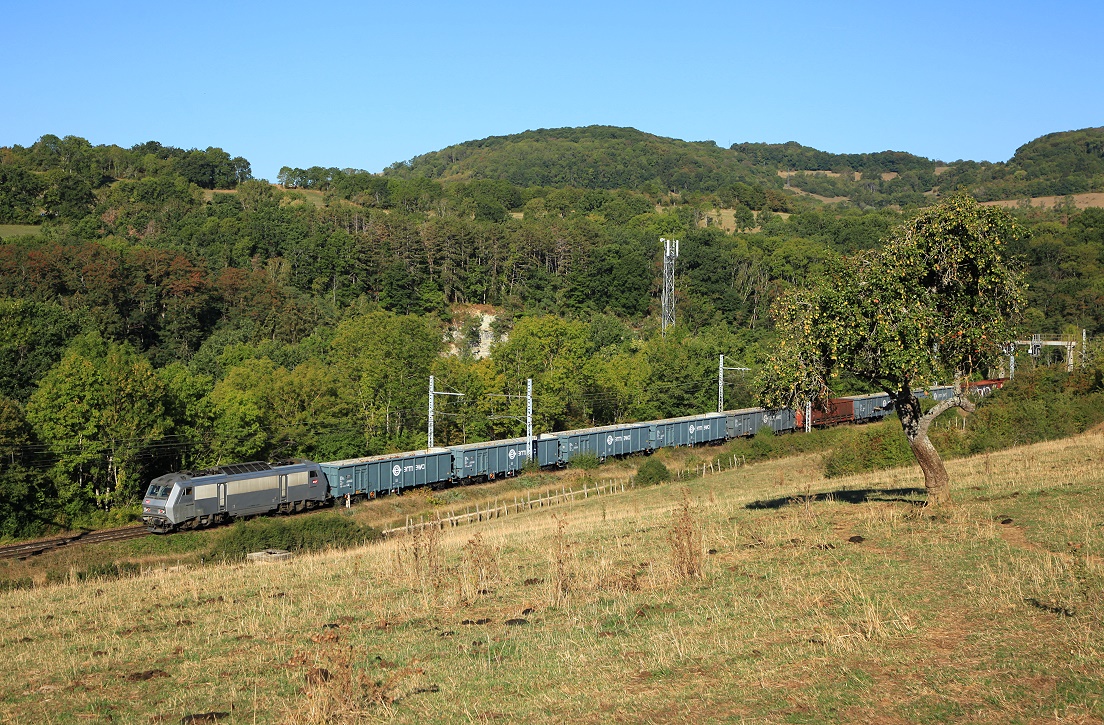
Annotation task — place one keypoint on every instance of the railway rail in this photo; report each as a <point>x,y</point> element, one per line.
<point>34,548</point>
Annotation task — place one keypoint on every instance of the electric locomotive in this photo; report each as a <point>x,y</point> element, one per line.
<point>187,500</point>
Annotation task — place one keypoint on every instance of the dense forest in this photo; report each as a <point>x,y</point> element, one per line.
<point>165,310</point>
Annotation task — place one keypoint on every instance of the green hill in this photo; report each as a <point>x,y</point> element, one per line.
<point>1068,153</point>
<point>1069,162</point>
<point>608,157</point>
<point>594,157</point>
<point>792,156</point>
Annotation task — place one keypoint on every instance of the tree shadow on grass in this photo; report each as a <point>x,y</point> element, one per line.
<point>913,496</point>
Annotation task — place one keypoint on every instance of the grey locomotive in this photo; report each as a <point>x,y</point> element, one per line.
<point>188,500</point>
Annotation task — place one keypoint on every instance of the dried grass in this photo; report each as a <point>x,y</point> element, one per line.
<point>632,606</point>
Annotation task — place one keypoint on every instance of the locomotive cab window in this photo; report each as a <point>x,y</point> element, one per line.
<point>188,491</point>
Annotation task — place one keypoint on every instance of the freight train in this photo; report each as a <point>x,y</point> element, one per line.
<point>187,500</point>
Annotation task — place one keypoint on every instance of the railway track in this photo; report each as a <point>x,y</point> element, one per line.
<point>34,548</point>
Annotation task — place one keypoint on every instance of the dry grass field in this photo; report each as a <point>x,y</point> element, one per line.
<point>1081,201</point>
<point>307,196</point>
<point>763,594</point>
<point>886,176</point>
<point>726,218</point>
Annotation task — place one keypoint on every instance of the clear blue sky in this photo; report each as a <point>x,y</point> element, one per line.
<point>363,84</point>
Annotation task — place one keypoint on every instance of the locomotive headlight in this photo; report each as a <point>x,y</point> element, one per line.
<point>145,509</point>
<point>160,511</point>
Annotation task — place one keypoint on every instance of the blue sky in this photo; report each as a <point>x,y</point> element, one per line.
<point>366,84</point>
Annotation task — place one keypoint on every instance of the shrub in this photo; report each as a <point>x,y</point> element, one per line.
<point>300,533</point>
<point>1039,405</point>
<point>651,472</point>
<point>762,445</point>
<point>586,461</point>
<point>881,445</point>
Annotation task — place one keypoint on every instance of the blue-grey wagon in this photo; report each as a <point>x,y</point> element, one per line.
<point>489,459</point>
<point>548,450</point>
<point>937,392</point>
<point>605,441</point>
<point>688,430</point>
<point>779,421</point>
<point>872,407</point>
<point>748,421</point>
<point>373,475</point>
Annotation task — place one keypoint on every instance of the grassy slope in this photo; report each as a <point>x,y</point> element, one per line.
<point>952,616</point>
<point>15,230</point>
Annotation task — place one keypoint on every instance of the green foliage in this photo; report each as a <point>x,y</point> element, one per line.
<point>384,362</point>
<point>267,322</point>
<point>212,169</point>
<point>102,407</point>
<point>23,498</point>
<point>586,461</point>
<point>761,445</point>
<point>35,335</point>
<point>297,533</point>
<point>881,445</point>
<point>19,195</point>
<point>794,156</point>
<point>595,157</point>
<point>938,300</point>
<point>1056,164</point>
<point>1039,405</point>
<point>651,472</point>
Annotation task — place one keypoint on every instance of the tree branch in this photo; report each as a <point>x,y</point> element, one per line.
<point>958,401</point>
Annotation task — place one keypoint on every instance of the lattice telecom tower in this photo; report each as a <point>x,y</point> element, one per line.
<point>670,253</point>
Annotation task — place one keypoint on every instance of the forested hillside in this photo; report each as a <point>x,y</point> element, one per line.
<point>595,157</point>
<point>169,311</point>
<point>604,157</point>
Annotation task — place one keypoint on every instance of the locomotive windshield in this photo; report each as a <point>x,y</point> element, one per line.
<point>156,491</point>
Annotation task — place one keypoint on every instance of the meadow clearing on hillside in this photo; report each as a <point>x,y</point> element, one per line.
<point>762,594</point>
<point>15,230</point>
<point>1080,201</point>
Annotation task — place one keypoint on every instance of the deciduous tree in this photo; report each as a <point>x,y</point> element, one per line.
<point>937,302</point>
